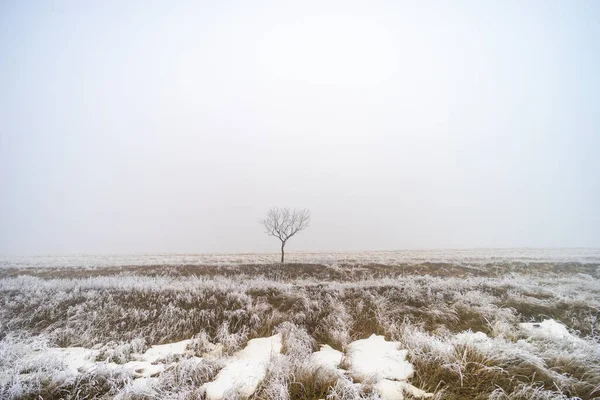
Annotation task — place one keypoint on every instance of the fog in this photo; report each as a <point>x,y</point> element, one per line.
<point>173,126</point>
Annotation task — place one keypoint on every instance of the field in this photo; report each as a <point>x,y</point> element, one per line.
<point>498,324</point>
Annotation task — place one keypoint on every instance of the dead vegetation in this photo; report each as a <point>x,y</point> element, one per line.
<point>426,306</point>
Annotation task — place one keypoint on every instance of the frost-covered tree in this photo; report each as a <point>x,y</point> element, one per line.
<point>283,223</point>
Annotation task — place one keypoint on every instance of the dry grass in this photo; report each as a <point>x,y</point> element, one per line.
<point>122,310</point>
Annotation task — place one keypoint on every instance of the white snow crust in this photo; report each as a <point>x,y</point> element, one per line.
<point>548,329</point>
<point>327,357</point>
<point>375,359</point>
<point>242,375</point>
<point>160,351</point>
<point>478,339</point>
<point>395,390</point>
<point>76,359</point>
<point>327,360</point>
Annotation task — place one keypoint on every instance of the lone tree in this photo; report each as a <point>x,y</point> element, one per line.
<point>283,223</point>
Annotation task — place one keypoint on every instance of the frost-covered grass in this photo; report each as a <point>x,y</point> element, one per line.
<point>465,256</point>
<point>459,320</point>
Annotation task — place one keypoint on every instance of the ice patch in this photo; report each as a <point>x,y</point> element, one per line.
<point>248,367</point>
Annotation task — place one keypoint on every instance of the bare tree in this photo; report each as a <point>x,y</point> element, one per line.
<point>283,223</point>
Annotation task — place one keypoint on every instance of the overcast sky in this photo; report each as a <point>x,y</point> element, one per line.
<point>171,126</point>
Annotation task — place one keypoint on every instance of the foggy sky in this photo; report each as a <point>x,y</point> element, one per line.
<point>172,126</point>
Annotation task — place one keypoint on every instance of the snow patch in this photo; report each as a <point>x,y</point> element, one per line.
<point>548,329</point>
<point>152,362</point>
<point>327,360</point>
<point>479,340</point>
<point>375,359</point>
<point>141,369</point>
<point>395,390</point>
<point>142,387</point>
<point>213,350</point>
<point>76,359</point>
<point>158,352</point>
<point>80,360</point>
<point>248,367</point>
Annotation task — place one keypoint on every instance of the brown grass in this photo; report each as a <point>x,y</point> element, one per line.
<point>334,305</point>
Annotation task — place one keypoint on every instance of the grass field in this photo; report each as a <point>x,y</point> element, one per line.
<point>433,304</point>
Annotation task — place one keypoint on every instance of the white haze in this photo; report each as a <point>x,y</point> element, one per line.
<point>173,126</point>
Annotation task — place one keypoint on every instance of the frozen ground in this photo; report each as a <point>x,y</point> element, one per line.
<point>499,328</point>
<point>463,257</point>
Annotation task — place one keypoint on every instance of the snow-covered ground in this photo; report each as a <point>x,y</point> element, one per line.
<point>245,370</point>
<point>325,331</point>
<point>464,257</point>
<point>372,360</point>
<point>375,361</point>
<point>372,363</point>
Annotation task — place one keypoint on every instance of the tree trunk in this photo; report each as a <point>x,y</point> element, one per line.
<point>282,253</point>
